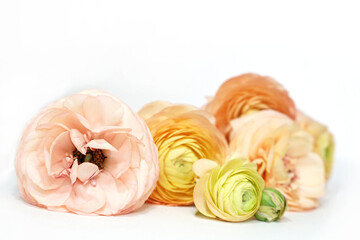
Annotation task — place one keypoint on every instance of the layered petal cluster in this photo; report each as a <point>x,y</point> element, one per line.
<point>88,153</point>
<point>183,134</point>
<point>231,192</point>
<point>284,156</point>
<point>323,140</point>
<point>246,94</point>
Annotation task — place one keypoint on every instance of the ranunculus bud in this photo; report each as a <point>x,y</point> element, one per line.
<point>231,192</point>
<point>272,206</point>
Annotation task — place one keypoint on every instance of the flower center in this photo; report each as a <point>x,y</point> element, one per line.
<point>96,157</point>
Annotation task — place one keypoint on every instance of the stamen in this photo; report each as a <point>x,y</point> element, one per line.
<point>92,156</point>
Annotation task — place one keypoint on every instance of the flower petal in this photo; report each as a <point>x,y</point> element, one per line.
<point>152,108</point>
<point>311,176</point>
<point>73,171</point>
<point>199,196</point>
<point>119,161</point>
<point>202,166</point>
<point>101,144</point>
<point>85,198</point>
<point>87,170</point>
<point>78,140</point>
<point>61,146</point>
<point>300,144</point>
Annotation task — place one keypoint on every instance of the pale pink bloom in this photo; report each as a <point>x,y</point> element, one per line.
<point>88,153</point>
<point>284,155</point>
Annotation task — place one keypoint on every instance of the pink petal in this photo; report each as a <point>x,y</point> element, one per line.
<point>118,162</point>
<point>112,111</point>
<point>73,172</point>
<point>112,129</point>
<point>41,187</point>
<point>102,111</point>
<point>49,126</point>
<point>37,172</point>
<point>78,140</point>
<point>115,197</point>
<point>311,176</point>
<point>87,170</point>
<point>92,111</point>
<point>101,144</point>
<point>127,186</point>
<point>51,197</point>
<point>135,152</point>
<point>74,103</point>
<point>66,119</point>
<point>61,146</point>
<point>85,198</point>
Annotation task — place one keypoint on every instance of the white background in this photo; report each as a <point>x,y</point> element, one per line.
<point>180,51</point>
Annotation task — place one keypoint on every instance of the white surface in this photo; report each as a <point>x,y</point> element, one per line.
<point>147,50</point>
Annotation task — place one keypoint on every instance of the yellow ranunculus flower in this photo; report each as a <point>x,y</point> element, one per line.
<point>231,192</point>
<point>284,155</point>
<point>323,140</point>
<point>183,134</point>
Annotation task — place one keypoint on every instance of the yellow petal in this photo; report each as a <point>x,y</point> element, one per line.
<point>152,108</point>
<point>199,196</point>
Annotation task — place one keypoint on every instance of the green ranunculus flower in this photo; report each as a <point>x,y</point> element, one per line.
<point>231,192</point>
<point>272,206</point>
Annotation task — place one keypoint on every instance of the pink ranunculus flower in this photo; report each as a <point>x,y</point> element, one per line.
<point>88,153</point>
<point>284,155</point>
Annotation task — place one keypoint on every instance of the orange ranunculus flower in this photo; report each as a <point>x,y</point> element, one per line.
<point>323,140</point>
<point>246,94</point>
<point>284,154</point>
<point>183,134</point>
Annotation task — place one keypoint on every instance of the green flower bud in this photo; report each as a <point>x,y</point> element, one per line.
<point>272,206</point>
